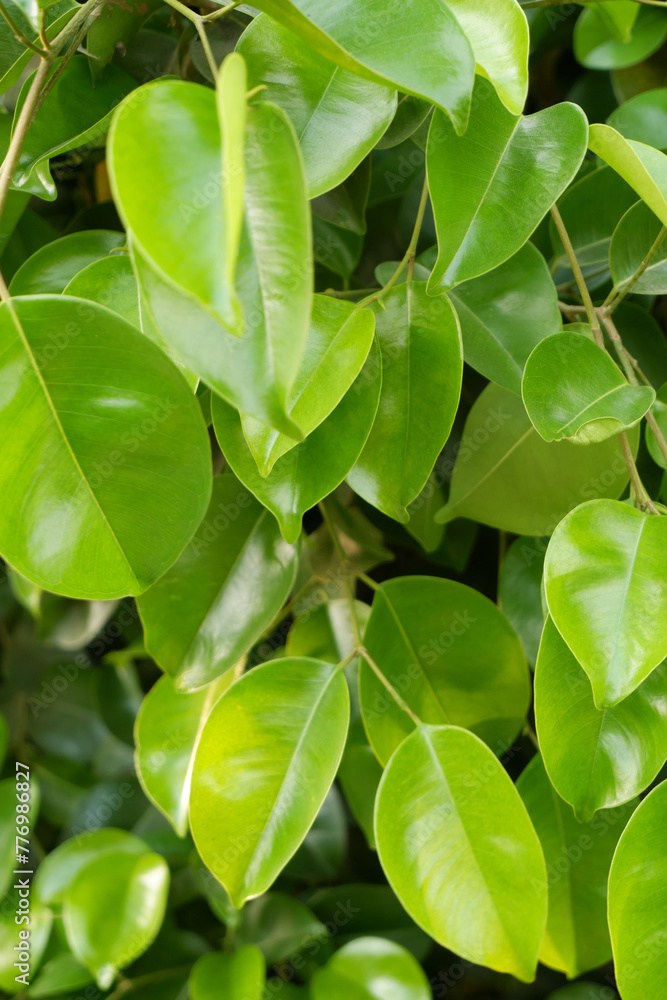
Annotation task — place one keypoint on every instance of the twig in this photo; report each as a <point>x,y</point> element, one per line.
<point>579,277</point>
<point>16,31</point>
<point>616,295</point>
<point>409,255</point>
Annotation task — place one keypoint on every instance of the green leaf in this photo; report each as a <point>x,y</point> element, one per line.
<point>643,167</point>
<point>422,367</point>
<point>338,116</point>
<point>596,759</point>
<point>638,901</point>
<point>113,415</point>
<point>167,732</point>
<point>345,205</point>
<point>4,738</point>
<point>660,414</point>
<point>316,466</point>
<point>14,56</point>
<point>492,186</point>
<point>53,266</point>
<point>644,338</point>
<point>477,885</point>
<point>578,857</point>
<point>113,910</point>
<point>505,475</point>
<point>520,591</point>
<point>633,238</point>
<point>348,33</point>
<point>643,118</point>
<point>603,569</point>
<point>371,968</point>
<point>336,248</point>
<point>572,389</point>
<point>618,17</point>
<point>11,819</point>
<point>74,113</point>
<point>265,762</point>
<point>338,343</point>
<point>210,607</point>
<point>62,866</point>
<point>12,936</point>
<point>326,632</point>
<point>597,48</point>
<point>239,975</point>
<point>116,27</point>
<point>110,282</point>
<point>280,926</point>
<point>453,658</point>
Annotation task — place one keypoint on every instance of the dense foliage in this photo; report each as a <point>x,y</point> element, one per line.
<point>333,408</point>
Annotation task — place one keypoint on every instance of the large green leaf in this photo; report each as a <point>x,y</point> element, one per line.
<point>633,238</point>
<point>338,343</point>
<point>578,857</point>
<point>642,167</point>
<point>596,47</point>
<point>106,472</point>
<point>638,901</point>
<point>59,870</point>
<point>572,389</point>
<point>265,762</point>
<point>596,759</point>
<point>167,733</point>
<point>316,466</point>
<point>505,475</point>
<point>422,368</point>
<point>604,568</point>
<point>452,657</point>
<point>113,910</point>
<point>74,113</point>
<point>643,118</point>
<point>520,591</point>
<point>371,968</point>
<point>53,266</point>
<point>492,186</point>
<point>338,116</point>
<point>239,975</point>
<point>111,282</point>
<point>460,852</point>
<point>368,38</point>
<point>212,605</point>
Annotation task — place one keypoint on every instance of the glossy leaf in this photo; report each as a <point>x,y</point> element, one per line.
<point>479,889</point>
<point>633,238</point>
<point>371,968</point>
<point>578,857</point>
<point>571,389</point>
<point>167,733</point>
<point>240,975</point>
<point>596,48</point>
<point>643,118</point>
<point>333,111</point>
<point>479,224</point>
<point>62,867</point>
<point>617,17</point>
<point>347,34</point>
<point>206,611</point>
<point>601,573</point>
<point>638,929</point>
<point>520,591</point>
<point>266,759</point>
<point>315,467</point>
<point>642,167</point>
<point>110,282</point>
<point>422,367</point>
<point>505,475</point>
<point>453,658</point>
<point>95,526</point>
<point>53,266</point>
<point>596,759</point>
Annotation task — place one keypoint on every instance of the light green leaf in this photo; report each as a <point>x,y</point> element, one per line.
<point>604,567</point>
<point>348,33</point>
<point>110,282</point>
<point>520,591</point>
<point>505,475</point>
<point>578,857</point>
<point>338,116</point>
<point>642,167</point>
<point>12,935</point>
<point>315,467</point>
<point>265,762</point>
<point>596,759</point>
<point>453,658</point>
<point>210,607</point>
<point>633,238</point>
<point>572,389</point>
<point>53,266</point>
<point>74,113</point>
<point>643,118</point>
<point>338,343</point>
<point>617,17</point>
<point>491,187</point>
<point>167,732</point>
<point>477,886</point>
<point>61,867</point>
<point>113,911</point>
<point>422,366</point>
<point>596,47</point>
<point>239,975</point>
<point>371,968</point>
<point>113,415</point>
